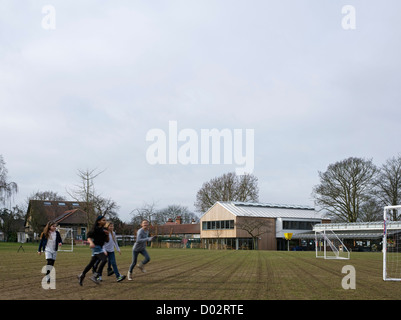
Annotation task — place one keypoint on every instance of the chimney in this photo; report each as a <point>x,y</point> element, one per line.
<point>178,220</point>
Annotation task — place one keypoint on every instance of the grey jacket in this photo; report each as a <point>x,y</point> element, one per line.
<point>142,237</point>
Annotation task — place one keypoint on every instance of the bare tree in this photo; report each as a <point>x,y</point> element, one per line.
<point>46,196</point>
<point>345,187</point>
<point>371,210</point>
<point>255,227</point>
<point>43,196</point>
<point>146,212</point>
<point>7,188</point>
<point>105,207</point>
<point>85,193</point>
<point>388,184</point>
<point>175,210</point>
<point>228,187</point>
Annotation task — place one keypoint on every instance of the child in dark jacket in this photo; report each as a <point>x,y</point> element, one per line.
<point>50,240</point>
<point>97,238</point>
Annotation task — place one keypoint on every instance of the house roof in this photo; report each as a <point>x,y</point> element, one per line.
<point>75,216</point>
<point>56,210</point>
<point>267,210</point>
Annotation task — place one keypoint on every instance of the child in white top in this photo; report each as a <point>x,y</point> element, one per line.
<point>50,240</point>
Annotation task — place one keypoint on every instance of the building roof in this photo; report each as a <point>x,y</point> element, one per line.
<point>75,216</point>
<point>352,230</point>
<point>54,210</point>
<point>267,210</point>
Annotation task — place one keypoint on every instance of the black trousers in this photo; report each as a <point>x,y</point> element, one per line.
<point>101,257</point>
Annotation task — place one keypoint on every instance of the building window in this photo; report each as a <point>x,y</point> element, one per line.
<point>218,225</point>
<point>299,225</point>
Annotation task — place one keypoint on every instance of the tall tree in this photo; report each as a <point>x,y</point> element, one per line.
<point>228,187</point>
<point>147,212</point>
<point>106,207</point>
<point>46,196</point>
<point>85,193</point>
<point>388,184</point>
<point>7,188</point>
<point>10,222</point>
<point>345,187</point>
<point>174,210</point>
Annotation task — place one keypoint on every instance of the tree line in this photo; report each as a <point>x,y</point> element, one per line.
<point>356,190</point>
<point>350,190</point>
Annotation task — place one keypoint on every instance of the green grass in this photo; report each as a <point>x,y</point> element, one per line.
<point>196,274</point>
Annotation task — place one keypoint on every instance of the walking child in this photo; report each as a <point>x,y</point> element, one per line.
<point>142,237</point>
<point>50,240</point>
<point>97,237</point>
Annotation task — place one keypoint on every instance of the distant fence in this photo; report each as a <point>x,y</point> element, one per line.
<point>178,244</point>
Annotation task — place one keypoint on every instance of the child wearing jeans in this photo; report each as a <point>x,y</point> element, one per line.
<point>109,248</point>
<point>142,237</point>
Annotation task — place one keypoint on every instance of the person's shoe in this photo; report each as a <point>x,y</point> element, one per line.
<point>129,276</point>
<point>120,278</point>
<point>81,279</point>
<point>110,272</point>
<point>95,278</point>
<point>141,267</point>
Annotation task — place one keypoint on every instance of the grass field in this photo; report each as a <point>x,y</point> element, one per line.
<point>196,274</point>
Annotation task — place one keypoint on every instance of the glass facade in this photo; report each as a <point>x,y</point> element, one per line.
<point>299,225</point>
<point>218,225</point>
<point>228,243</point>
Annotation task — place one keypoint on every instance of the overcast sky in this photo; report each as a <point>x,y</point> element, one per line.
<point>84,89</point>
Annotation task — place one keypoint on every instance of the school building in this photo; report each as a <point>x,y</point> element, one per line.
<point>244,225</point>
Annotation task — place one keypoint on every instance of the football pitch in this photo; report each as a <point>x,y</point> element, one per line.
<point>196,274</point>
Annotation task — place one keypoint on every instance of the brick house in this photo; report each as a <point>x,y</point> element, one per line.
<point>177,229</point>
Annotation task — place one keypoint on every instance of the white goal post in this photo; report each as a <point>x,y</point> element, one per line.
<point>329,246</point>
<point>392,243</point>
<point>67,236</point>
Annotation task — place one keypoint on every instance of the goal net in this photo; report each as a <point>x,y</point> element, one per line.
<point>330,246</point>
<point>392,243</point>
<point>68,239</point>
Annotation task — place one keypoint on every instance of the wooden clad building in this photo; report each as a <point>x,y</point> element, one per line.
<point>242,225</point>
